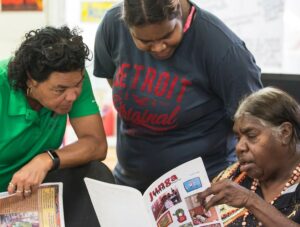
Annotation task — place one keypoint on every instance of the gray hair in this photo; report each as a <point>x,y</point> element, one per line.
<point>272,107</point>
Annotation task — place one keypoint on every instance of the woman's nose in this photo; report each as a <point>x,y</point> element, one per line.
<point>241,146</point>
<point>71,95</point>
<point>158,47</point>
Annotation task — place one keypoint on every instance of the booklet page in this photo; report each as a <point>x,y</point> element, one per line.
<point>172,200</point>
<point>117,205</point>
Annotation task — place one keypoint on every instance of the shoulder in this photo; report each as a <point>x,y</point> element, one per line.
<point>3,69</point>
<point>113,16</point>
<point>212,25</point>
<point>214,38</point>
<point>3,74</point>
<point>86,103</point>
<point>111,28</point>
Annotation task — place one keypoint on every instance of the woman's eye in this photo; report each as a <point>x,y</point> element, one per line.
<point>59,91</point>
<point>252,136</point>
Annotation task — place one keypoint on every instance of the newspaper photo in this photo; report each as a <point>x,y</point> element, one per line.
<point>44,208</point>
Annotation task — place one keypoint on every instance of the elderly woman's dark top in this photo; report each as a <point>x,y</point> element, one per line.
<point>288,203</point>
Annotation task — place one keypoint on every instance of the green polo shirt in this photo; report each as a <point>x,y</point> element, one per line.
<point>24,132</point>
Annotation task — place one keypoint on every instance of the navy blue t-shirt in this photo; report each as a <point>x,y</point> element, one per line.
<point>171,111</point>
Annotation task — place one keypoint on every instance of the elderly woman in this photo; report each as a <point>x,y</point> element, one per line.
<point>262,189</point>
<point>43,84</point>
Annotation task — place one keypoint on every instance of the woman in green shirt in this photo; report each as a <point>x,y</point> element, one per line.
<point>40,87</point>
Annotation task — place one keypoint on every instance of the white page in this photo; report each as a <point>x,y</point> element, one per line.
<point>117,206</point>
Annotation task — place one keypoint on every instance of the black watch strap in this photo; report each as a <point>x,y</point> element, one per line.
<point>55,159</point>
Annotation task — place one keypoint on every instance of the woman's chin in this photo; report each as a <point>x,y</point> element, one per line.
<point>163,55</point>
<point>62,110</point>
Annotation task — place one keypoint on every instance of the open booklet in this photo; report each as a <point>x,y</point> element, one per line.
<point>172,200</point>
<point>43,208</point>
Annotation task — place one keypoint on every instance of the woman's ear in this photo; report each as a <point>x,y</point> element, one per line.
<point>30,82</point>
<point>286,133</point>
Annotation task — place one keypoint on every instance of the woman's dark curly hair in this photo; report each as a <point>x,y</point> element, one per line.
<point>45,51</point>
<point>142,12</point>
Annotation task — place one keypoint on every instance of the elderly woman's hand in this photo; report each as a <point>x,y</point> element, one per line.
<point>30,176</point>
<point>226,192</point>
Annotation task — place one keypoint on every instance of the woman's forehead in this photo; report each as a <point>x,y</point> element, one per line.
<point>152,32</point>
<point>247,121</point>
<point>67,78</point>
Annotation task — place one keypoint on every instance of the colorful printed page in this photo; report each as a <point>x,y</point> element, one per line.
<point>42,208</point>
<point>173,199</point>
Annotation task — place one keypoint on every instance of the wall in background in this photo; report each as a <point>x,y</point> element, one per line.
<point>14,24</point>
<point>87,14</point>
<point>270,29</point>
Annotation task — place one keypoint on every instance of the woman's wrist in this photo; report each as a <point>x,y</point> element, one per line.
<point>54,158</point>
<point>252,201</point>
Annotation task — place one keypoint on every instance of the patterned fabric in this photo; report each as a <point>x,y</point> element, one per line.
<point>288,203</point>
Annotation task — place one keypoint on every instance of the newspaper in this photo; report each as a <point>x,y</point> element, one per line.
<point>43,208</point>
<point>171,201</point>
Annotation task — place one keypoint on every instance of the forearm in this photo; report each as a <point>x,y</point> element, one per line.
<point>80,152</point>
<point>84,150</point>
<point>267,214</point>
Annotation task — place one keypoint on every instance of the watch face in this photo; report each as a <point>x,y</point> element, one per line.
<point>55,159</point>
<point>192,184</point>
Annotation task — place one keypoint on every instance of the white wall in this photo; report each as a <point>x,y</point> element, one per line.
<point>13,25</point>
<point>291,45</point>
<point>270,29</point>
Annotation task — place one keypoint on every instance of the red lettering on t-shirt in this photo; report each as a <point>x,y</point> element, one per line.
<point>162,84</point>
<point>149,79</point>
<point>184,84</point>
<point>172,86</point>
<point>138,69</point>
<point>156,102</point>
<point>121,76</point>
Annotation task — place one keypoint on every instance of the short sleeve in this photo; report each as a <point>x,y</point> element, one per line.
<point>104,66</point>
<point>236,76</point>
<point>85,104</point>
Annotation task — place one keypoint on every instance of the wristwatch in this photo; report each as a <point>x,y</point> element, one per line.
<point>55,159</point>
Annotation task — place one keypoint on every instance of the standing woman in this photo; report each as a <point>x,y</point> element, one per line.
<point>177,73</point>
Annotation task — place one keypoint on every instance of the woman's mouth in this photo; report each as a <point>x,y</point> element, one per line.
<point>246,166</point>
<point>162,55</point>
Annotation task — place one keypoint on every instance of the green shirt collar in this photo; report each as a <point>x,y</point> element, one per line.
<point>18,105</point>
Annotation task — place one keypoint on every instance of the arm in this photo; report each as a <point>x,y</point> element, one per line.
<point>91,145</point>
<point>235,76</point>
<point>267,213</point>
<point>232,194</point>
<point>104,65</point>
